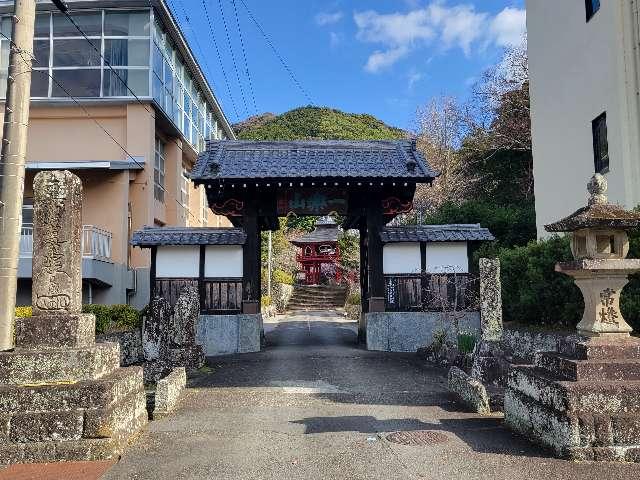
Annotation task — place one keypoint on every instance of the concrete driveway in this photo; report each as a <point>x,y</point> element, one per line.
<point>314,405</point>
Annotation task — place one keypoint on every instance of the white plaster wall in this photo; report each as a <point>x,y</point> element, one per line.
<point>178,262</point>
<point>447,257</point>
<point>223,261</point>
<point>579,70</point>
<point>401,258</point>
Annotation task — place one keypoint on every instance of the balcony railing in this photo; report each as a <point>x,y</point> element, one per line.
<point>96,242</point>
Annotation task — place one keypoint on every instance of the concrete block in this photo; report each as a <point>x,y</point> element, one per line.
<point>470,391</point>
<point>229,334</point>
<point>56,331</point>
<point>410,331</point>
<point>29,367</point>
<point>168,392</point>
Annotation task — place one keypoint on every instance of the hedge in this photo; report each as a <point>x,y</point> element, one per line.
<point>108,317</point>
<point>534,294</point>
<point>280,276</point>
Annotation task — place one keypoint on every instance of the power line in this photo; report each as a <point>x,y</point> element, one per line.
<point>233,56</point>
<point>215,44</point>
<point>275,51</point>
<point>197,42</point>
<point>244,55</point>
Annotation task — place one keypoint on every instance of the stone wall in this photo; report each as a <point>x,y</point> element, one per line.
<point>130,346</point>
<point>520,345</point>
<point>410,331</point>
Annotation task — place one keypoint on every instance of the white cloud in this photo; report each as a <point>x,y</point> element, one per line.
<point>457,26</point>
<point>379,60</point>
<point>413,78</point>
<point>335,39</point>
<point>324,18</point>
<point>509,26</point>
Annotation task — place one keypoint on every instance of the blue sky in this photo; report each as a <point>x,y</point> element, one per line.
<point>383,57</point>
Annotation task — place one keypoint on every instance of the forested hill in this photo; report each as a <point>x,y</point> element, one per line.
<point>311,123</point>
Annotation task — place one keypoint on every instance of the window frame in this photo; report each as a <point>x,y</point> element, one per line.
<point>592,7</point>
<point>601,160</point>
<point>159,167</point>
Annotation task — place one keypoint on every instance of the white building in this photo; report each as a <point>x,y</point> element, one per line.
<point>584,69</point>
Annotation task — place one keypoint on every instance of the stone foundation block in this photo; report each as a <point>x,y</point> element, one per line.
<point>168,392</point>
<point>30,367</point>
<point>56,332</point>
<point>470,391</point>
<point>71,451</point>
<point>589,370</point>
<point>117,419</point>
<point>46,426</point>
<point>94,393</point>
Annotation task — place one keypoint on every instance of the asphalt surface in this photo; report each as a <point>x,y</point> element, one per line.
<point>314,405</point>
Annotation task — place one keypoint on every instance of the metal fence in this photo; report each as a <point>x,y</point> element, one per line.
<point>96,242</point>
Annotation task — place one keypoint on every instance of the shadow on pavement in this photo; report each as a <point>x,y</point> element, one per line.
<point>482,435</point>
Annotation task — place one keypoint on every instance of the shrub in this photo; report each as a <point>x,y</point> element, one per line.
<point>266,301</point>
<point>23,312</point>
<point>280,276</point>
<point>534,294</point>
<point>354,299</point>
<point>466,343</point>
<point>114,317</point>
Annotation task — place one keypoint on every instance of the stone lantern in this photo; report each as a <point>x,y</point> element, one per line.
<point>581,400</point>
<point>600,245</point>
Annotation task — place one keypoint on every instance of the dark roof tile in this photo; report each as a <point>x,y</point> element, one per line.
<point>436,233</point>
<point>155,236</point>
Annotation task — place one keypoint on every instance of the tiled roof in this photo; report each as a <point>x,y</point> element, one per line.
<point>436,233</point>
<point>235,160</point>
<point>154,236</point>
<point>322,234</point>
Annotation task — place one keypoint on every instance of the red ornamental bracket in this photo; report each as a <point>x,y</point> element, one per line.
<point>394,206</point>
<point>230,208</point>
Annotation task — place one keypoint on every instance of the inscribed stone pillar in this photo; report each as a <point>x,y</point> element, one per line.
<point>57,243</point>
<point>490,299</point>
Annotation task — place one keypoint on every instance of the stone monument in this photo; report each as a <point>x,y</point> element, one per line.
<point>584,402</point>
<point>63,397</point>
<point>169,335</point>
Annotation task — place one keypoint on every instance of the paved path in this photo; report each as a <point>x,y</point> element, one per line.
<point>313,405</point>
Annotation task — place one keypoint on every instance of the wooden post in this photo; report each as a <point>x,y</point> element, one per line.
<point>201,291</point>
<point>152,273</point>
<point>375,223</point>
<point>251,287</point>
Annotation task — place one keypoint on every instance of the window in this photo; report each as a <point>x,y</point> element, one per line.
<point>600,144</point>
<point>158,170</point>
<point>76,64</point>
<point>592,8</point>
<point>204,207</point>
<point>27,212</point>
<point>184,193</point>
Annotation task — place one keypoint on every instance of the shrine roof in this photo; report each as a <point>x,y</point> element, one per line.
<point>167,236</point>
<point>436,233</point>
<point>269,160</point>
<point>324,233</point>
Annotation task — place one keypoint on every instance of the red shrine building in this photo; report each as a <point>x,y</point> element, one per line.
<point>319,258</point>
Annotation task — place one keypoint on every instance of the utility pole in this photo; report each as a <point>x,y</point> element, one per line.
<point>12,162</point>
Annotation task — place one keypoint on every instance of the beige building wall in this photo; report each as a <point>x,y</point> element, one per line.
<point>119,201</point>
<point>579,70</point>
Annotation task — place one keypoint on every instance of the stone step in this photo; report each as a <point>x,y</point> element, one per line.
<point>332,298</point>
<point>81,395</point>
<point>32,367</point>
<point>580,398</point>
<point>83,450</point>
<point>606,349</point>
<point>589,370</point>
<point>315,302</point>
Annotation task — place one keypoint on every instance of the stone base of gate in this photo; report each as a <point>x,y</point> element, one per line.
<point>410,331</point>
<point>583,402</point>
<point>64,397</point>
<point>229,334</point>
